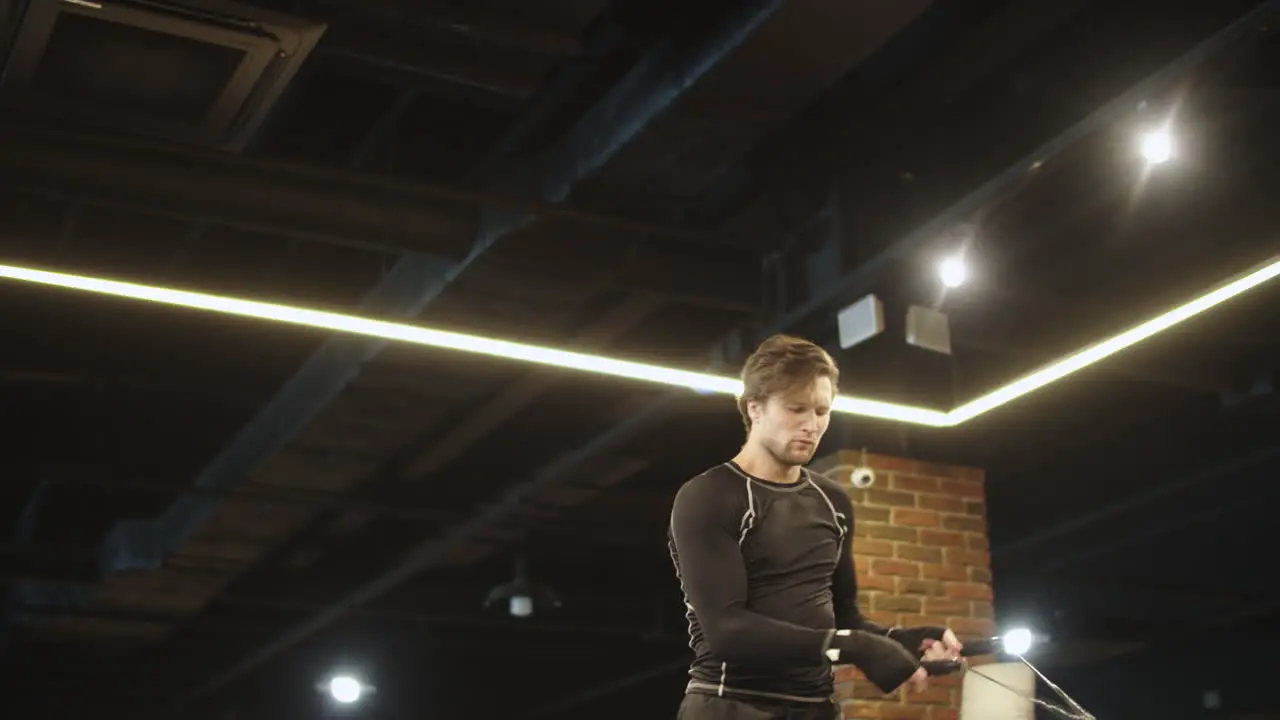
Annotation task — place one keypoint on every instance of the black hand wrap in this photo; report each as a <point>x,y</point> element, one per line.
<point>885,663</point>
<point>914,638</point>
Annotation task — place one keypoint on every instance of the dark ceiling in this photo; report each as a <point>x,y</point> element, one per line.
<point>207,514</point>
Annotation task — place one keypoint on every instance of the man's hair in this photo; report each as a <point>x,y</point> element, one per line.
<point>780,364</point>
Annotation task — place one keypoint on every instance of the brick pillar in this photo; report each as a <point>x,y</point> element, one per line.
<point>923,559</point>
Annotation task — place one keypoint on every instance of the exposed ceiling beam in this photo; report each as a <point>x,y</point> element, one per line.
<point>483,420</point>
<point>34,617</point>
<point>844,125</point>
<point>1174,373</point>
<point>392,52</point>
<point>660,272</point>
<point>86,480</point>
<point>351,207</point>
<point>1015,550</point>
<point>439,450</point>
<point>592,694</point>
<point>541,33</point>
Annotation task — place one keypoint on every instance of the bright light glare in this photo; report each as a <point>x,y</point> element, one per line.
<point>1157,146</point>
<point>450,340</point>
<point>1017,642</point>
<point>701,382</point>
<point>520,606</point>
<point>345,689</point>
<point>953,272</point>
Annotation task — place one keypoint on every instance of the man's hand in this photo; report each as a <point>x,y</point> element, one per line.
<point>886,663</point>
<point>946,649</point>
<point>952,644</point>
<point>939,651</point>
<point>924,639</point>
<point>937,660</point>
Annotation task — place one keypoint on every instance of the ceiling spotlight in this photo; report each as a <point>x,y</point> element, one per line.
<point>520,606</point>
<point>1156,146</point>
<point>953,272</point>
<point>521,594</point>
<point>344,689</point>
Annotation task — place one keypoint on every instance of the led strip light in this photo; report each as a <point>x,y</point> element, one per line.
<point>700,382</point>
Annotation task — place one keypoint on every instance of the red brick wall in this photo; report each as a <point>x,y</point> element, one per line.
<point>921,548</point>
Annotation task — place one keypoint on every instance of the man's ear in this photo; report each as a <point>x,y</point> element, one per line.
<point>755,410</point>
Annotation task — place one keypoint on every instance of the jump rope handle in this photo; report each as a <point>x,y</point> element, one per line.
<point>942,667</point>
<point>980,646</point>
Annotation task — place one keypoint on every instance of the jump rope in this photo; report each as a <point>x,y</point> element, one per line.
<point>1071,710</point>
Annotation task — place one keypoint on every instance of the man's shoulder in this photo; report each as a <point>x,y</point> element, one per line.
<point>718,485</point>
<point>715,477</point>
<point>831,488</point>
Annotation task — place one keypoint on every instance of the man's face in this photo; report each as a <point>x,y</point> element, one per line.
<point>790,425</point>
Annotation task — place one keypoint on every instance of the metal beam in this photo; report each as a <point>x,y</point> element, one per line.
<point>642,94</point>
<point>1171,374</point>
<point>606,689</point>
<point>35,614</point>
<point>872,110</point>
<point>23,532</point>
<point>348,206</point>
<point>262,495</point>
<point>437,451</point>
<point>655,270</point>
<point>483,420</point>
<point>1130,504</point>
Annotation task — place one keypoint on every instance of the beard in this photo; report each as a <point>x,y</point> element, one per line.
<point>789,455</point>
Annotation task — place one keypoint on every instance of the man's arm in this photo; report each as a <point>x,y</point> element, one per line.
<point>704,530</point>
<point>844,597</point>
<point>844,581</point>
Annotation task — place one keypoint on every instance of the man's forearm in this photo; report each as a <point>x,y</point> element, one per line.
<point>866,625</point>
<point>741,636</point>
<point>849,616</point>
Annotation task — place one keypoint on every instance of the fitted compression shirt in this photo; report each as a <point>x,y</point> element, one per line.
<point>768,576</point>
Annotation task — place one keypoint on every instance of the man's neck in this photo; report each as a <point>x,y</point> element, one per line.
<point>761,463</point>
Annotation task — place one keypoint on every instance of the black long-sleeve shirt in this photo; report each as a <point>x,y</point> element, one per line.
<point>768,576</point>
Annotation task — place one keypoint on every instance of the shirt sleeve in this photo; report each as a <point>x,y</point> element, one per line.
<point>844,581</point>
<point>704,530</point>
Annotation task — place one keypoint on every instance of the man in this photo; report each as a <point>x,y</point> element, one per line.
<point>761,547</point>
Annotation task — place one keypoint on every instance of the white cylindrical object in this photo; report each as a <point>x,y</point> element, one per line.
<point>982,699</point>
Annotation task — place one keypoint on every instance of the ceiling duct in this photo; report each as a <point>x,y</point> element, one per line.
<point>204,72</point>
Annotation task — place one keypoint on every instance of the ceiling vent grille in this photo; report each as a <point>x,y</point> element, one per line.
<point>204,72</point>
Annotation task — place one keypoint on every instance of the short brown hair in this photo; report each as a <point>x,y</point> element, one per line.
<point>781,363</point>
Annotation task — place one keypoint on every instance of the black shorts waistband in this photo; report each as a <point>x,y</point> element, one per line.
<point>704,688</point>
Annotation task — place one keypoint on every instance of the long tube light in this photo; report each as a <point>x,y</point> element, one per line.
<point>1104,349</point>
<point>700,382</point>
<point>400,332</point>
